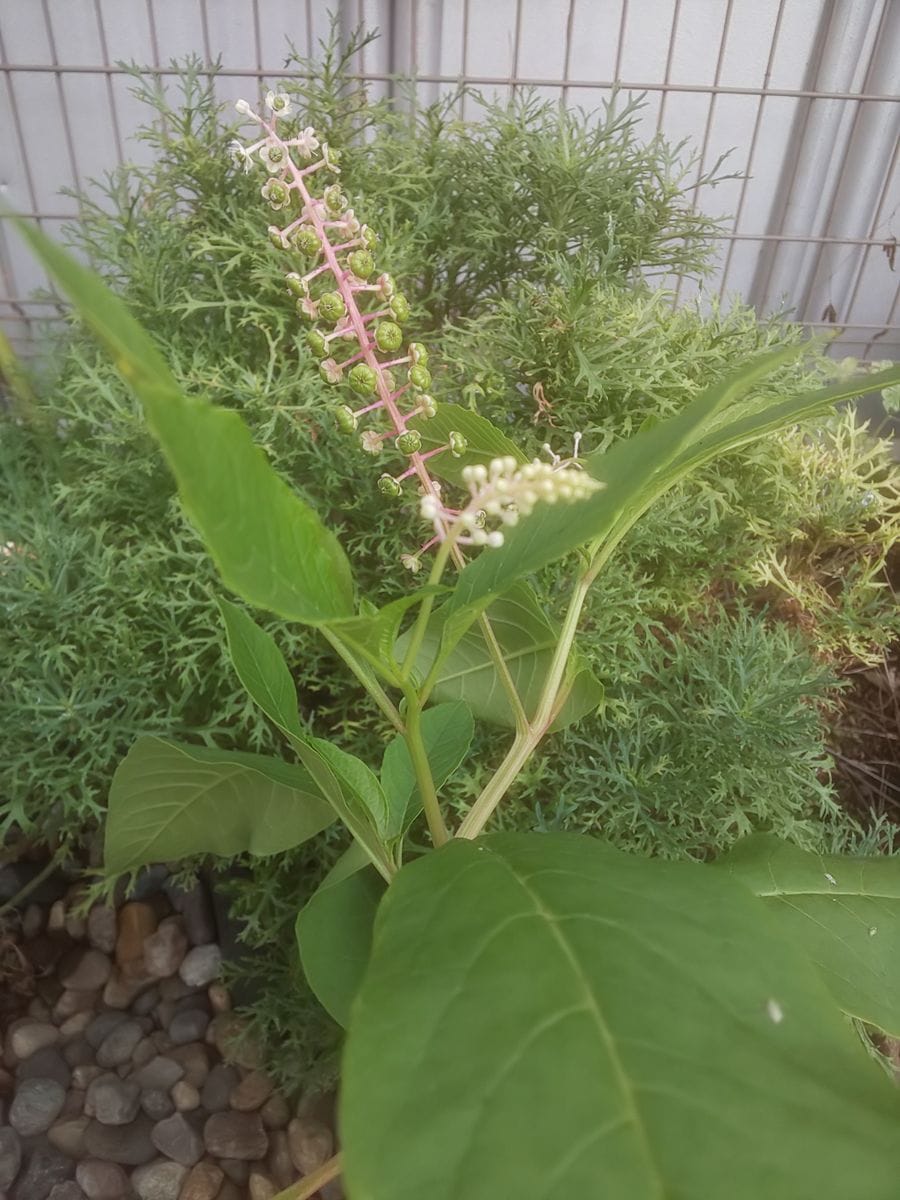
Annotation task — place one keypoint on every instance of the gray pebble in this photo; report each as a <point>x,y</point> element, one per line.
<point>102,928</point>
<point>118,1046</point>
<point>36,1105</point>
<point>201,965</point>
<point>196,912</point>
<point>236,1135</point>
<point>27,1038</point>
<point>157,1104</point>
<point>145,1003</point>
<point>159,1072</point>
<point>66,1191</point>
<point>101,1180</point>
<point>85,970</point>
<point>165,949</point>
<point>44,1168</point>
<point>178,1139</point>
<point>46,1064</point>
<point>10,1157</point>
<point>113,1101</point>
<point>159,1180</point>
<point>78,1052</point>
<point>103,1025</point>
<point>217,1089</point>
<point>68,1136</point>
<point>188,1026</point>
<point>129,1145</point>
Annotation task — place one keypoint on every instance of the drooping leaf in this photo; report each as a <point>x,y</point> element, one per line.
<point>843,910</point>
<point>447,731</point>
<point>485,441</point>
<point>527,641</point>
<point>260,667</point>
<point>637,471</point>
<point>546,1016</point>
<point>169,800</point>
<point>334,936</point>
<point>372,636</point>
<point>270,547</point>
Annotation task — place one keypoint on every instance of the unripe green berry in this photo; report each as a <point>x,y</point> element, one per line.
<point>386,285</point>
<point>388,486</point>
<point>345,419</point>
<point>369,237</point>
<point>276,237</point>
<point>295,284</point>
<point>388,336</point>
<point>420,378</point>
<point>418,354</point>
<point>317,343</point>
<point>335,200</point>
<point>399,306</point>
<point>331,306</point>
<point>307,241</point>
<point>363,380</point>
<point>458,444</point>
<point>409,442</point>
<point>361,263</point>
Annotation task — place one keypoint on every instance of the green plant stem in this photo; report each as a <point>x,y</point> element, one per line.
<point>372,686</point>
<point>307,1187</point>
<point>417,753</point>
<point>526,741</point>
<point>424,613</point>
<point>44,873</point>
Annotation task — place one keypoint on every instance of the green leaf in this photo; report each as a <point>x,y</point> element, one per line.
<point>485,441</point>
<point>546,1016</point>
<point>635,472</point>
<point>447,731</point>
<point>169,800</point>
<point>843,910</point>
<point>527,640</point>
<point>334,936</point>
<point>269,546</point>
<point>261,668</point>
<point>371,636</point>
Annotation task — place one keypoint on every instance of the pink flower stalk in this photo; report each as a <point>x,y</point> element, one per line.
<point>336,293</point>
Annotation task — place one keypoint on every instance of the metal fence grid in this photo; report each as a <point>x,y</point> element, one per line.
<point>808,90</point>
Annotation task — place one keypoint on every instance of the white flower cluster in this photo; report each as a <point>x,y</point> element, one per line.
<point>506,491</point>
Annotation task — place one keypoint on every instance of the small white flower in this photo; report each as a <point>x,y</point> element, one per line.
<point>332,166</point>
<point>241,156</point>
<point>276,193</point>
<point>306,142</point>
<point>411,562</point>
<point>243,108</point>
<point>279,103</point>
<point>371,442</point>
<point>273,156</point>
<point>308,307</point>
<point>330,370</point>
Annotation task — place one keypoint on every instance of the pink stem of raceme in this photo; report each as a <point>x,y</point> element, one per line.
<point>424,457</point>
<point>359,412</point>
<point>348,362</point>
<point>347,290</point>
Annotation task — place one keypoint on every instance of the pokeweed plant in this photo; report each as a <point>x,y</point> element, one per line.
<point>526,1013</point>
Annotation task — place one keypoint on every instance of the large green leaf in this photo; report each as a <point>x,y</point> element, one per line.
<point>546,1016</point>
<point>334,936</point>
<point>485,441</point>
<point>843,910</point>
<point>170,801</point>
<point>269,546</point>
<point>447,731</point>
<point>527,640</point>
<point>260,667</point>
<point>637,471</point>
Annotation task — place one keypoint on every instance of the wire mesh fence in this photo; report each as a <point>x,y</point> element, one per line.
<point>801,96</point>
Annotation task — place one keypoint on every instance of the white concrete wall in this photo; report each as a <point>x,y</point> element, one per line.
<point>813,167</point>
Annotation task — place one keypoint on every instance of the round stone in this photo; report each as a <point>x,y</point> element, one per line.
<point>275,1113</point>
<point>157,1104</point>
<point>10,1157</point>
<point>185,1096</point>
<point>85,970</point>
<point>201,965</point>
<point>160,1180</point>
<point>102,928</point>
<point>129,1145</point>
<point>261,1187</point>
<point>217,1089</point>
<point>68,1136</point>
<point>101,1180</point>
<point>44,1168</point>
<point>236,1135</point>
<point>69,1190</point>
<point>36,1105</point>
<point>118,1046</point>
<point>194,1057</point>
<point>188,1026</point>
<point>252,1092</point>
<point>176,1138</point>
<point>27,1039</point>
<point>136,922</point>
<point>165,949</point>
<point>159,1072</point>
<point>310,1143</point>
<point>46,1064</point>
<point>113,1101</point>
<point>102,1026</point>
<point>203,1182</point>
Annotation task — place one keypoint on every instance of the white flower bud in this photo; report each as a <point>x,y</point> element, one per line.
<point>243,108</point>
